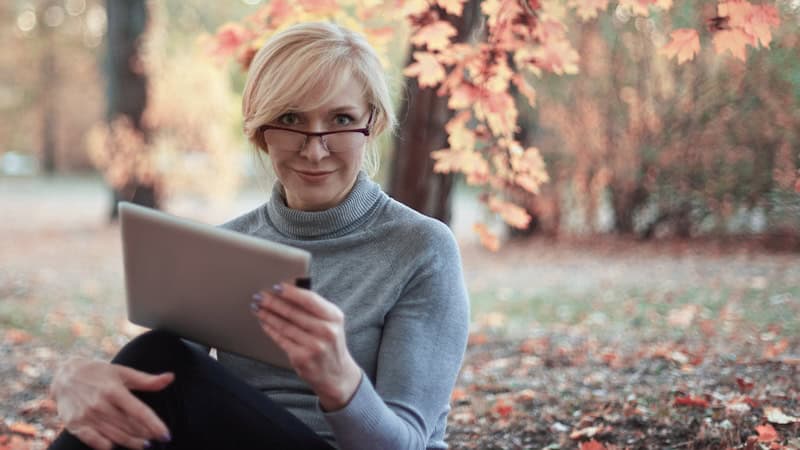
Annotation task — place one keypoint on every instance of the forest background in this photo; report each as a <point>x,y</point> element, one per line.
<point>637,228</point>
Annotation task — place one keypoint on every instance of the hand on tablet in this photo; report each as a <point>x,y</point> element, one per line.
<point>96,405</point>
<point>310,330</point>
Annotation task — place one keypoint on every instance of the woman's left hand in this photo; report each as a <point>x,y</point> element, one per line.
<point>310,330</point>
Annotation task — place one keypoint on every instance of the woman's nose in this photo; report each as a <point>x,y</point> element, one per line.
<point>314,148</point>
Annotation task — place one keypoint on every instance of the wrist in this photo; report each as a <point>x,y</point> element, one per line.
<point>342,390</point>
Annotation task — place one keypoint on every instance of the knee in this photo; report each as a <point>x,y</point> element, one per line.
<point>154,351</point>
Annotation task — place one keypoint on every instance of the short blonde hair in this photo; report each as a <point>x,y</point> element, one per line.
<point>305,56</point>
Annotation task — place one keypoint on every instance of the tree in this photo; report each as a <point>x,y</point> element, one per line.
<point>127,92</point>
<point>519,42</point>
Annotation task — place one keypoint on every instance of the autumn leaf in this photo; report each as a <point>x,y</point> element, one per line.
<point>454,7</point>
<point>774,350</point>
<point>775,415</point>
<point>588,9</point>
<point>435,36</point>
<point>322,7</point>
<point>760,22</point>
<point>685,44</point>
<point>512,214</point>
<point>587,432</point>
<point>592,445</point>
<point>15,336</point>
<point>229,38</point>
<point>525,89</point>
<point>490,241</point>
<point>22,428</point>
<point>691,401</point>
<point>734,40</point>
<point>502,408</point>
<point>556,56</point>
<point>766,433</point>
<point>499,111</point>
<point>638,7</point>
<point>427,69</point>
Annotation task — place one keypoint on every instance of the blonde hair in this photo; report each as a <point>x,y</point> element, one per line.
<point>302,57</point>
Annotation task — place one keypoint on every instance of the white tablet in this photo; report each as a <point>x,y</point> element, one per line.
<point>197,281</point>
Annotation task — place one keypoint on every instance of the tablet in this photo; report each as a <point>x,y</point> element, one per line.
<point>197,281</point>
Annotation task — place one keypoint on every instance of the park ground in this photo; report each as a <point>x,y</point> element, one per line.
<point>575,343</point>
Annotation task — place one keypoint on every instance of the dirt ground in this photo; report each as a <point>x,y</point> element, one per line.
<point>582,343</point>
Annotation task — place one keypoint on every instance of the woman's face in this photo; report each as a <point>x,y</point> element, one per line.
<point>314,178</point>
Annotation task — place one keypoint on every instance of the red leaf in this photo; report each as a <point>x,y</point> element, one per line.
<point>22,428</point>
<point>745,385</point>
<point>592,445</point>
<point>503,408</point>
<point>692,401</point>
<point>766,433</point>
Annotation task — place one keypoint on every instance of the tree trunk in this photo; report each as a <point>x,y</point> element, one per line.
<point>127,86</point>
<point>423,116</point>
<point>49,83</point>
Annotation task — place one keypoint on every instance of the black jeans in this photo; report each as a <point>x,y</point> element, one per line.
<point>206,407</point>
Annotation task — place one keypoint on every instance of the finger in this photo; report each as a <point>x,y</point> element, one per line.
<point>274,305</point>
<point>111,414</point>
<point>92,438</point>
<point>294,334</point>
<point>134,408</point>
<point>307,300</point>
<point>120,437</point>
<point>287,344</point>
<point>142,381</point>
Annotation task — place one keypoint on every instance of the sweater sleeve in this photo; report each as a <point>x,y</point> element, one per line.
<point>421,350</point>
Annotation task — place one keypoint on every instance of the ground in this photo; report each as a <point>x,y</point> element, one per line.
<point>582,343</point>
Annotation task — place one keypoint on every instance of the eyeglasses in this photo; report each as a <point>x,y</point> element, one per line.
<point>290,140</point>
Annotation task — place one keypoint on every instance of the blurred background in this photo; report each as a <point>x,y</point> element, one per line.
<point>672,211</point>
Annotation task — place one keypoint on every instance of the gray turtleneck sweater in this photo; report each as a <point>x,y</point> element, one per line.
<point>397,277</point>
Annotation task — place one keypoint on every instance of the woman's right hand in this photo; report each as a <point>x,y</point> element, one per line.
<point>96,404</point>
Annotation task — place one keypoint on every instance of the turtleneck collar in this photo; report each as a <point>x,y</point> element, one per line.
<point>327,223</point>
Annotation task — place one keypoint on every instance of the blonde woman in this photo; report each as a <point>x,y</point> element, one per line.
<point>375,346</point>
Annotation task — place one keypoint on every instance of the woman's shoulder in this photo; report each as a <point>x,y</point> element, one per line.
<point>412,226</point>
<point>248,222</point>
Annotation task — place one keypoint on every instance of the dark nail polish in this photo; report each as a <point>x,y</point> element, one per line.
<point>167,438</point>
<point>147,444</point>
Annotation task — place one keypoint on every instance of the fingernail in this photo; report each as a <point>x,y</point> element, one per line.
<point>147,444</point>
<point>167,438</point>
<point>257,296</point>
<point>277,288</point>
<point>254,306</point>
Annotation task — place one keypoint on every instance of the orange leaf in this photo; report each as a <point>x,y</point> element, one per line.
<point>503,408</point>
<point>557,56</point>
<point>427,69</point>
<point>766,433</point>
<point>685,44</point>
<point>319,6</point>
<point>525,89</point>
<point>435,36</point>
<point>229,38</point>
<point>734,40</point>
<point>692,401</point>
<point>776,349</point>
<point>16,337</point>
<point>514,215</point>
<point>490,241</point>
<point>22,428</point>
<point>454,7</point>
<point>760,22</point>
<point>592,445</point>
<point>588,9</point>
<point>638,7</point>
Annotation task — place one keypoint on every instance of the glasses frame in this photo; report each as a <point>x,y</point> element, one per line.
<point>365,131</point>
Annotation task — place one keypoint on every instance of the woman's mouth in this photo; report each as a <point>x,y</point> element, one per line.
<point>313,176</point>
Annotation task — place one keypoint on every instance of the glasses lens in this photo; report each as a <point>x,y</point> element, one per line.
<point>283,140</point>
<point>345,142</point>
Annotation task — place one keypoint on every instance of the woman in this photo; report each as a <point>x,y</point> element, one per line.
<point>375,346</point>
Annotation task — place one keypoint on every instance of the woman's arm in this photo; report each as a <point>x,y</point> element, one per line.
<point>421,351</point>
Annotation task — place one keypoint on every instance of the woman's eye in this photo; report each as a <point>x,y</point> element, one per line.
<point>343,120</point>
<point>289,119</point>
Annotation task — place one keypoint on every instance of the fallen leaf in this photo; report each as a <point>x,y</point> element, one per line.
<point>745,384</point>
<point>22,428</point>
<point>766,433</point>
<point>775,415</point>
<point>458,395</point>
<point>15,336</point>
<point>697,402</point>
<point>592,445</point>
<point>586,432</point>
<point>776,349</point>
<point>503,408</point>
